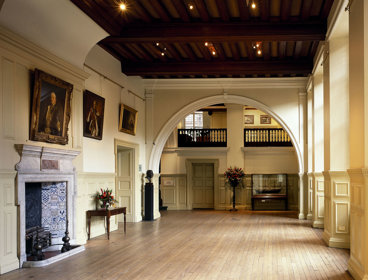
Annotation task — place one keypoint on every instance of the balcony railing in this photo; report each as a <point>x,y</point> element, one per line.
<point>202,137</point>
<point>257,137</point>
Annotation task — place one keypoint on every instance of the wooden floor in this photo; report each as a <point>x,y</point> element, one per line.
<point>204,245</point>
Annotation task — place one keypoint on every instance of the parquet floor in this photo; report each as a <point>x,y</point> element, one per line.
<point>204,245</point>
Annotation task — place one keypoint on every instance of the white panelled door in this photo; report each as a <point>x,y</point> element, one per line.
<point>203,185</point>
<point>124,191</point>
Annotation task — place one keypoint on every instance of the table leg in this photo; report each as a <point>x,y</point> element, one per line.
<point>124,222</point>
<point>108,226</point>
<point>89,225</point>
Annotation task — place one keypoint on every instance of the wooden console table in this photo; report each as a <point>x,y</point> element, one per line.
<point>106,213</point>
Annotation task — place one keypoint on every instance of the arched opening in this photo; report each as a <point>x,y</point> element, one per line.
<point>167,129</point>
<point>183,187</point>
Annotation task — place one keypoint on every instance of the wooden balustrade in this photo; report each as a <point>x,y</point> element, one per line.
<point>207,137</point>
<point>256,137</point>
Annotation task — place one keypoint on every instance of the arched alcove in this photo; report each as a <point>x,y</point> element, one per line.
<point>170,125</point>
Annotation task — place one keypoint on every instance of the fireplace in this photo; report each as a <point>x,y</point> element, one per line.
<point>45,174</point>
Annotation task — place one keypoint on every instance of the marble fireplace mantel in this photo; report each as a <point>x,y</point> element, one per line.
<point>44,164</point>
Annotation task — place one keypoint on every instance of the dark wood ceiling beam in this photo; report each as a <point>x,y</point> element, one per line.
<point>220,32</point>
<point>282,50</point>
<point>202,10</point>
<point>182,11</point>
<point>326,9</point>
<point>298,49</point>
<point>98,15</point>
<point>204,51</point>
<point>220,51</point>
<point>222,8</point>
<point>250,51</point>
<point>265,9</point>
<point>219,68</point>
<point>173,52</point>
<point>266,50</point>
<point>138,51</point>
<point>142,12</point>
<point>243,10</point>
<point>306,9</point>
<point>160,10</point>
<point>234,50</point>
<point>285,9</point>
<point>188,50</point>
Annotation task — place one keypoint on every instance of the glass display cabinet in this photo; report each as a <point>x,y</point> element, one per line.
<point>269,192</point>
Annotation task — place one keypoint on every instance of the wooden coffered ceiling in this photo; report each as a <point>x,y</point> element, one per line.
<point>166,39</point>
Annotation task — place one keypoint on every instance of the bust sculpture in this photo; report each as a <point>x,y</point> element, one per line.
<point>149,175</point>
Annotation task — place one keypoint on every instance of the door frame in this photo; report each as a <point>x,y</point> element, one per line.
<point>136,206</point>
<point>189,167</point>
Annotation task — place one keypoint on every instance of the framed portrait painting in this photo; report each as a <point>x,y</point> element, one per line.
<point>249,119</point>
<point>50,112</point>
<point>128,119</point>
<point>93,115</point>
<point>265,119</point>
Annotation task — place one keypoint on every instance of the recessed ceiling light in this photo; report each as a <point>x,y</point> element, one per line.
<point>162,53</point>
<point>253,5</point>
<point>122,7</point>
<point>191,7</point>
<point>157,44</point>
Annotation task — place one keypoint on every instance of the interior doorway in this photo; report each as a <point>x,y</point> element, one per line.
<point>203,185</point>
<point>126,179</point>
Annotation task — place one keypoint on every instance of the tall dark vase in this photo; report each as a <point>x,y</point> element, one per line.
<point>234,185</point>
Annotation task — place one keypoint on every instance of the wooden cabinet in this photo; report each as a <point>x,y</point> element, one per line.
<point>269,192</point>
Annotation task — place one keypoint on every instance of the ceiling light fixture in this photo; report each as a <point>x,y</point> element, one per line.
<point>122,7</point>
<point>253,4</point>
<point>191,7</point>
<point>211,48</point>
<point>257,46</point>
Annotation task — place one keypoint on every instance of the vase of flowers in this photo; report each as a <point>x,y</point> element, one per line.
<point>234,176</point>
<point>105,198</point>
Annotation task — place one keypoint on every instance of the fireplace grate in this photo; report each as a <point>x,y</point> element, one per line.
<point>31,238</point>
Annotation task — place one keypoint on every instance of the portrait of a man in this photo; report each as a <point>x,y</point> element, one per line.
<point>128,119</point>
<point>93,112</point>
<point>50,109</point>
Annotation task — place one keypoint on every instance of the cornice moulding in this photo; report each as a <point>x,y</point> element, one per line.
<point>225,84</point>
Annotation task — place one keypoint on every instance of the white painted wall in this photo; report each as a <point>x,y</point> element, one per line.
<point>55,25</point>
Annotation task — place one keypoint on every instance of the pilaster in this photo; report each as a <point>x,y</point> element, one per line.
<point>337,209</point>
<point>310,195</point>
<point>318,200</point>
<point>358,262</point>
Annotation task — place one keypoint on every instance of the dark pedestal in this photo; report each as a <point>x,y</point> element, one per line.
<point>148,202</point>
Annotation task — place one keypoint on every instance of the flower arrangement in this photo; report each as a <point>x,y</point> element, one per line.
<point>234,175</point>
<point>105,198</point>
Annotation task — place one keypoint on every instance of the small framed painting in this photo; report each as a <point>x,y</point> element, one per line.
<point>50,112</point>
<point>249,119</point>
<point>93,115</point>
<point>265,119</point>
<point>128,119</point>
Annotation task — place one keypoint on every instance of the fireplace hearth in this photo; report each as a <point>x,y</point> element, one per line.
<point>48,174</point>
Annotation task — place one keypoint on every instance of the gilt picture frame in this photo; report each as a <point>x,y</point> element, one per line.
<point>51,110</point>
<point>128,118</point>
<point>93,115</point>
<point>248,119</point>
<point>265,119</point>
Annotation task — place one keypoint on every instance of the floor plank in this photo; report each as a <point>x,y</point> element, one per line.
<point>194,245</point>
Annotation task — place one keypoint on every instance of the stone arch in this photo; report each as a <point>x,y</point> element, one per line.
<point>170,125</point>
